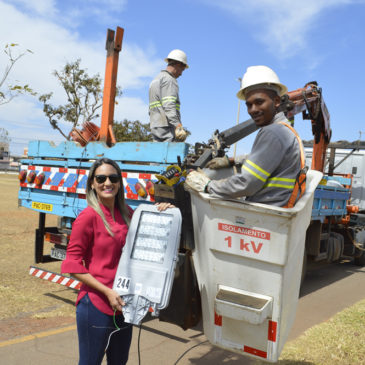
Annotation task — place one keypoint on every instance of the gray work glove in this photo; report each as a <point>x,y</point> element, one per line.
<point>196,180</point>
<point>180,133</point>
<point>218,163</point>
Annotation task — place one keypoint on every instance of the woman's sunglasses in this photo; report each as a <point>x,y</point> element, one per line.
<point>114,178</point>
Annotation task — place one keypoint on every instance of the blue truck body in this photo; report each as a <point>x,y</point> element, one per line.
<point>65,169</point>
<point>144,158</point>
<point>62,193</point>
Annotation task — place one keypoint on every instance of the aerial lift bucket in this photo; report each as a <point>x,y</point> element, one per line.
<point>248,260</point>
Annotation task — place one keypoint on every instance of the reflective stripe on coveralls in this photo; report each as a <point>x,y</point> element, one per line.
<point>302,175</point>
<point>164,102</point>
<point>261,174</point>
<point>298,184</point>
<point>155,104</point>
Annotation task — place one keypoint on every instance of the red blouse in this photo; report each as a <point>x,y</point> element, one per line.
<point>93,250</point>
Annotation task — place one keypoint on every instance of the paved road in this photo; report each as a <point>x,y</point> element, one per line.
<point>327,290</point>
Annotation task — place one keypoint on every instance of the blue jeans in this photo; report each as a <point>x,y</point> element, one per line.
<point>94,328</point>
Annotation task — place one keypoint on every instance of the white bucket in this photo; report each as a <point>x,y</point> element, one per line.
<point>248,261</point>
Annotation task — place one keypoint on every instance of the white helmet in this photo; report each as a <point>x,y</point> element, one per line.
<point>177,55</point>
<point>263,77</point>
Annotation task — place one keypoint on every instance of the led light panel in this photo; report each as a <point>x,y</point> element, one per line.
<point>146,268</point>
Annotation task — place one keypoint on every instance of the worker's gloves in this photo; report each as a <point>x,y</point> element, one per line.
<point>180,134</point>
<point>196,180</point>
<point>218,163</point>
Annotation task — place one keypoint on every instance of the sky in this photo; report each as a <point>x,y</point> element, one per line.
<point>302,41</point>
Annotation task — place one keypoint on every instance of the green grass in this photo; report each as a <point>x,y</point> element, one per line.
<point>338,341</point>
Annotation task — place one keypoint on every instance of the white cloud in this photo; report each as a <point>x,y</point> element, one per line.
<point>21,113</point>
<point>73,13</point>
<point>40,7</point>
<point>136,65</point>
<point>283,26</point>
<point>53,45</point>
<point>131,109</point>
<point>104,8</point>
<point>25,121</point>
<point>79,12</point>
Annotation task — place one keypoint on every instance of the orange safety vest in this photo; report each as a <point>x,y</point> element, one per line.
<point>300,180</point>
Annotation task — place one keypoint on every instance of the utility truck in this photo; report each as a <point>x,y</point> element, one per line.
<point>239,264</point>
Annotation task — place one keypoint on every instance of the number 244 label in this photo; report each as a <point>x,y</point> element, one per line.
<point>123,283</point>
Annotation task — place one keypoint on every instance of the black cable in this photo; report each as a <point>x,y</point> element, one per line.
<point>75,210</point>
<point>309,111</point>
<point>138,349</point>
<point>77,179</point>
<point>116,330</point>
<point>181,356</point>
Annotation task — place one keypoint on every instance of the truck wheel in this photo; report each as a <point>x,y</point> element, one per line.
<point>304,268</point>
<point>360,261</point>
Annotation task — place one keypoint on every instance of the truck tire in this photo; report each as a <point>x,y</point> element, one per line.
<point>304,268</point>
<point>360,260</point>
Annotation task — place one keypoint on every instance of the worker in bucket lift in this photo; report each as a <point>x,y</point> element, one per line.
<point>97,239</point>
<point>274,172</point>
<point>164,101</point>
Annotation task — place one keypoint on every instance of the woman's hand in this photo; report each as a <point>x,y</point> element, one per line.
<point>115,301</point>
<point>163,206</point>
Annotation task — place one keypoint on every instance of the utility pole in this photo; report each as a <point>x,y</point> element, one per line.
<point>238,120</point>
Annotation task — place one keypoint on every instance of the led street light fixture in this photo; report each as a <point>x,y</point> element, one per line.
<point>147,266</point>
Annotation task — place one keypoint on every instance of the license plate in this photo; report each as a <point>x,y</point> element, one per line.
<point>58,253</point>
<point>42,206</point>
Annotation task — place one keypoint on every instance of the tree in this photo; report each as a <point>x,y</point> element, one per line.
<point>126,131</point>
<point>84,97</point>
<point>9,91</point>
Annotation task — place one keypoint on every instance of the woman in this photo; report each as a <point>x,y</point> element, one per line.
<point>97,239</point>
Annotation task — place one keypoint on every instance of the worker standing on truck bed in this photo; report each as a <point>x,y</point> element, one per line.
<point>274,172</point>
<point>97,239</point>
<point>164,101</point>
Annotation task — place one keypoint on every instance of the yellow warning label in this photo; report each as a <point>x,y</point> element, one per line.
<point>42,206</point>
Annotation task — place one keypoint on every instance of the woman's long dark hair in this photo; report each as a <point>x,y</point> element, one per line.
<point>92,199</point>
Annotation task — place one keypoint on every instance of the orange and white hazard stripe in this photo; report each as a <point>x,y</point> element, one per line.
<point>55,278</point>
<point>271,337</point>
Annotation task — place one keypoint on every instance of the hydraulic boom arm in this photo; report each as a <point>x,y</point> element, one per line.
<point>113,47</point>
<point>90,131</point>
<point>309,101</point>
